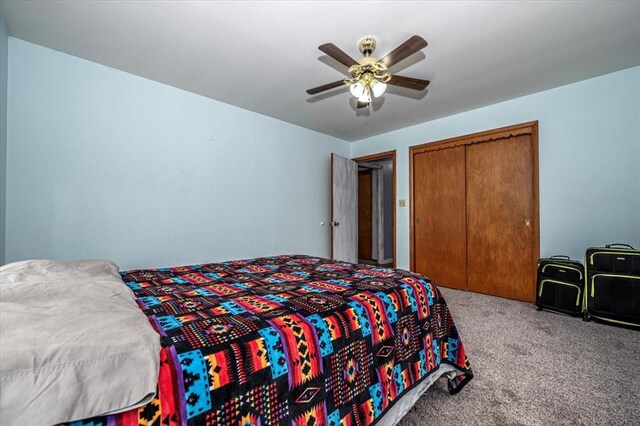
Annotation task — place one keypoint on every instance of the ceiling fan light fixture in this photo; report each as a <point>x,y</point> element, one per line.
<point>358,89</point>
<point>368,76</point>
<point>378,88</point>
<point>366,97</point>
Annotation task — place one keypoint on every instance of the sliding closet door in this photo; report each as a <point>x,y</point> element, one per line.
<point>439,216</point>
<point>474,221</point>
<point>499,217</point>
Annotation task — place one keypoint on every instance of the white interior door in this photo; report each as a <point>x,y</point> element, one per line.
<point>344,209</point>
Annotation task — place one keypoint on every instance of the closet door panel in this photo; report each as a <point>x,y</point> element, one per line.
<point>499,214</point>
<point>439,216</point>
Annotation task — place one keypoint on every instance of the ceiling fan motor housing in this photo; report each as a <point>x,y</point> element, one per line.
<point>368,69</point>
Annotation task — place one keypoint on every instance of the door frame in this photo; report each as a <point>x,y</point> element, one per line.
<point>380,156</point>
<point>530,127</point>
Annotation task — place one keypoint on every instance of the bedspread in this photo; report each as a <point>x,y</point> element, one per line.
<point>289,340</point>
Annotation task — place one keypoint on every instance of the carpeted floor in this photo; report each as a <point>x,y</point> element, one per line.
<point>535,368</point>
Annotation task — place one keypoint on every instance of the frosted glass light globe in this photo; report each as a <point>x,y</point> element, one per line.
<point>366,97</point>
<point>357,89</point>
<point>378,88</point>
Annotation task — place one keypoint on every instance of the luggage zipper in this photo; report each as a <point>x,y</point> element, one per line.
<point>562,266</point>
<point>563,283</point>
<point>593,279</point>
<point>612,252</point>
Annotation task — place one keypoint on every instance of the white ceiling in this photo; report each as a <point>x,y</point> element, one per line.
<point>263,55</point>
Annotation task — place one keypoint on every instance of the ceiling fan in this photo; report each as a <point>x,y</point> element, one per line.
<point>370,75</point>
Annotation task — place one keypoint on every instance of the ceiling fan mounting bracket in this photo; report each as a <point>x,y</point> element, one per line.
<point>367,45</point>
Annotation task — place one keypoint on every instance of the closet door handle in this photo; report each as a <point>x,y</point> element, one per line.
<point>417,221</point>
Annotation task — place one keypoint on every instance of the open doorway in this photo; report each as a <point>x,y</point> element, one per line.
<point>376,209</point>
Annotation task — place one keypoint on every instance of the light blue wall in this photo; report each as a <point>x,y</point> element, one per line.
<point>104,164</point>
<point>589,159</point>
<point>4,67</point>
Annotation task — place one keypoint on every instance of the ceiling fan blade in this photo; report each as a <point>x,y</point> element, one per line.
<point>336,53</point>
<point>406,49</point>
<point>326,87</point>
<point>362,105</point>
<point>408,82</point>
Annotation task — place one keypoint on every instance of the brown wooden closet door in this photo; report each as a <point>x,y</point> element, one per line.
<point>439,216</point>
<point>365,233</point>
<point>499,202</point>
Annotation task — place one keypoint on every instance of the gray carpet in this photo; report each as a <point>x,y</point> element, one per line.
<point>535,368</point>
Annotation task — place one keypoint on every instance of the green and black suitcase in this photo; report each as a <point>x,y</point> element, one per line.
<point>612,286</point>
<point>560,285</point>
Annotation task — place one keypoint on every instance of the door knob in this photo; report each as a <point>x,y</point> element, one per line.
<point>418,220</point>
<point>527,223</point>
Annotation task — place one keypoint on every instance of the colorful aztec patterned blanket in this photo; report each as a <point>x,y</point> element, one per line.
<point>289,340</point>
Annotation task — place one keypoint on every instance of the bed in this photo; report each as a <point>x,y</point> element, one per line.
<point>285,340</point>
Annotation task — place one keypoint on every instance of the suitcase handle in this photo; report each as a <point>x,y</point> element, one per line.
<point>560,256</point>
<point>619,244</point>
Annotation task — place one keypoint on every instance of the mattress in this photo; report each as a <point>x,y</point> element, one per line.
<point>290,340</point>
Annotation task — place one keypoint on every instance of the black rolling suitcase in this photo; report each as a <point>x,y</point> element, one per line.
<point>612,292</point>
<point>560,285</point>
